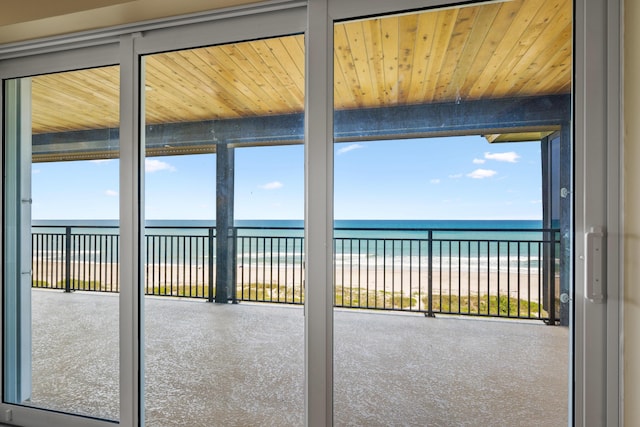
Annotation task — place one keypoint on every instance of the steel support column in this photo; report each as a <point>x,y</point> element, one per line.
<point>566,219</point>
<point>225,245</point>
<point>547,220</point>
<point>557,214</point>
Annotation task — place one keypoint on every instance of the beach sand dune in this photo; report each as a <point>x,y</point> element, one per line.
<point>266,281</point>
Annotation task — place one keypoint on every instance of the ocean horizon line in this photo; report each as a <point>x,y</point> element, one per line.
<point>338,223</point>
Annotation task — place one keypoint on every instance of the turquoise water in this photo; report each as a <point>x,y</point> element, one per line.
<point>455,244</point>
<point>466,230</point>
<point>346,223</point>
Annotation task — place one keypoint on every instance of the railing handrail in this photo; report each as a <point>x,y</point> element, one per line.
<point>437,229</point>
<point>243,227</point>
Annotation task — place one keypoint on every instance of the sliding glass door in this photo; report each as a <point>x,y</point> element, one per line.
<point>223,258</point>
<point>438,211</point>
<point>318,212</point>
<point>61,246</point>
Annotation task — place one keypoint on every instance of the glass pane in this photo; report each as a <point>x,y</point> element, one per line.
<point>61,242</point>
<point>224,202</point>
<point>443,216</point>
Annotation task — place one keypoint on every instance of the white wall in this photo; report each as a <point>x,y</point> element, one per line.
<point>632,212</point>
<point>26,20</point>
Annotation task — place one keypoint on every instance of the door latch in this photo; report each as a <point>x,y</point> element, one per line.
<point>595,265</point>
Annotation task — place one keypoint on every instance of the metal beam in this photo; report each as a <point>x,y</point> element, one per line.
<point>453,119</point>
<point>497,116</point>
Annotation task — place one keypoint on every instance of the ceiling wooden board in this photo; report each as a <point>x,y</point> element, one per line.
<point>510,49</point>
<point>78,100</point>
<point>263,77</point>
<point>520,137</point>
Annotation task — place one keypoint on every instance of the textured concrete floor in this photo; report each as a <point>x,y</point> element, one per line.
<point>242,365</point>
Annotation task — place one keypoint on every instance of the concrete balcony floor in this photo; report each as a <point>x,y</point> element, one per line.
<point>242,365</point>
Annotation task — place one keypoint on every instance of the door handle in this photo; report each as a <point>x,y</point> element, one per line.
<point>596,290</point>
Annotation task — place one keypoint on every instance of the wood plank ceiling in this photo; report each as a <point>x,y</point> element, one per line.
<point>511,49</point>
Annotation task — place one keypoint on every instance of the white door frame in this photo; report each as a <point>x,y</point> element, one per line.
<point>595,379</point>
<point>50,60</point>
<point>597,201</point>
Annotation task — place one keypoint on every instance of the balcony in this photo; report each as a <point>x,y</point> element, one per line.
<point>243,364</point>
<point>222,364</point>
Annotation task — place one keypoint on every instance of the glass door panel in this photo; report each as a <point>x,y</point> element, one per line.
<point>447,267</point>
<point>61,284</point>
<point>224,202</point>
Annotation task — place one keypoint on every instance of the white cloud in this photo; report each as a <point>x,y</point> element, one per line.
<point>456,176</point>
<point>435,181</point>
<point>350,148</point>
<point>478,161</point>
<point>536,202</point>
<point>510,156</point>
<point>152,165</point>
<point>482,173</point>
<point>98,161</point>
<point>272,185</point>
<point>35,171</point>
<point>111,193</point>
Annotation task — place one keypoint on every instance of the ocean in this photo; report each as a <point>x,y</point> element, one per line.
<point>298,223</point>
<point>452,244</point>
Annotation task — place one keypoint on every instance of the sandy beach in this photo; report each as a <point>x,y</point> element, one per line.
<point>175,279</point>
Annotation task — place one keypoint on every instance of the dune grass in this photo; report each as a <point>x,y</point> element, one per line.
<point>40,284</point>
<point>493,305</point>
<point>482,305</point>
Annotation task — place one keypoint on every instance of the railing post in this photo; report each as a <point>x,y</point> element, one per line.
<point>211,246</point>
<point>67,260</point>
<point>233,254</point>
<point>430,275</point>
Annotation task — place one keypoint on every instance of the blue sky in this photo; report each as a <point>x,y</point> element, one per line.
<point>436,178</point>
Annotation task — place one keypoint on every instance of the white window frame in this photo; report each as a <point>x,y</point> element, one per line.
<point>597,376</point>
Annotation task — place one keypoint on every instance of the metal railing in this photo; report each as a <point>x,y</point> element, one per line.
<point>489,272</point>
<point>85,260</point>
<point>270,264</point>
